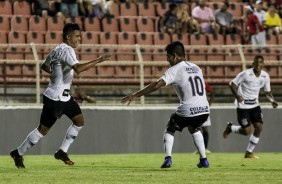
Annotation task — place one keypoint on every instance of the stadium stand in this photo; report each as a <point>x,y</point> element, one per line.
<point>19,23</point>
<point>92,24</point>
<point>128,9</point>
<point>37,23</point>
<point>5,23</point>
<point>55,24</point>
<point>146,9</point>
<point>6,8</point>
<point>21,8</point>
<point>128,24</point>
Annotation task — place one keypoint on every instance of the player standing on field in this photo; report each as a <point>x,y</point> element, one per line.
<point>245,88</point>
<point>188,83</point>
<point>60,64</point>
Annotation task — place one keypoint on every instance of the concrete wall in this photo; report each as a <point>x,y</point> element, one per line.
<point>130,130</point>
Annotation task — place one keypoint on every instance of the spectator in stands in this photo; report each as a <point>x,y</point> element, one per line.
<point>102,8</point>
<point>168,23</point>
<point>225,20</point>
<point>186,24</point>
<point>245,88</point>
<point>41,8</point>
<point>277,4</point>
<point>69,8</point>
<point>60,64</point>
<point>85,7</point>
<point>255,31</point>
<point>205,17</point>
<point>260,13</point>
<point>273,21</point>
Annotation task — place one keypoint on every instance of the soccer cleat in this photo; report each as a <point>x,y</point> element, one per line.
<point>207,151</point>
<point>250,155</point>
<point>227,130</point>
<point>18,159</point>
<point>61,155</point>
<point>203,163</point>
<point>167,163</point>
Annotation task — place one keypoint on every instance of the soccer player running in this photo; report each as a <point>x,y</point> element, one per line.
<point>188,83</point>
<point>245,88</point>
<point>60,64</point>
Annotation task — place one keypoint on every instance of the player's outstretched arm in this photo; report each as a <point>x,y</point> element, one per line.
<point>148,89</point>
<point>80,67</point>
<point>270,97</point>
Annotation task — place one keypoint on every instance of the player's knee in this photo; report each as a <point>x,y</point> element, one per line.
<point>170,130</point>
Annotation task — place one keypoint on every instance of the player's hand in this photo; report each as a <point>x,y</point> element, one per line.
<point>274,104</point>
<point>104,57</point>
<point>240,98</point>
<point>129,98</point>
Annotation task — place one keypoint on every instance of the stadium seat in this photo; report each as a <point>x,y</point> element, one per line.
<point>115,9</point>
<point>272,70</point>
<point>77,20</point>
<point>19,23</point>
<point>146,9</point>
<point>14,53</point>
<point>90,73</point>
<point>21,8</point>
<point>216,71</point>
<point>37,23</point>
<point>127,24</point>
<point>90,37</point>
<point>55,24</point>
<point>29,71</point>
<point>4,22</point>
<point>53,37</point>
<point>232,54</point>
<point>198,54</point>
<point>161,8</point>
<point>270,54</point>
<point>110,24</point>
<point>280,39</point>
<point>215,5</point>
<point>38,38</point>
<point>125,53</point>
<point>145,24</point>
<point>233,70</point>
<point>106,71</point>
<point>4,40</point>
<point>161,38</point>
<point>17,37</point>
<point>88,53</point>
<point>108,38</point>
<point>143,38</point>
<point>271,39</point>
<point>250,53</point>
<point>184,38</point>
<point>159,54</point>
<point>128,9</point>
<point>159,71</point>
<point>92,24</point>
<point>233,39</point>
<point>215,54</point>
<point>6,8</point>
<point>236,8</point>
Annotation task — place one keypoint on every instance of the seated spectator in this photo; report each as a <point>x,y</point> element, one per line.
<point>168,22</point>
<point>225,20</point>
<point>102,8</point>
<point>85,7</point>
<point>277,5</point>
<point>255,31</point>
<point>204,16</point>
<point>41,8</point>
<point>69,8</point>
<point>273,21</point>
<point>186,23</point>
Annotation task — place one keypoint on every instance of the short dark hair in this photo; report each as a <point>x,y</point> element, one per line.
<point>175,47</point>
<point>68,28</point>
<point>257,57</point>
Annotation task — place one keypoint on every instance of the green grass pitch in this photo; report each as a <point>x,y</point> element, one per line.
<point>226,168</point>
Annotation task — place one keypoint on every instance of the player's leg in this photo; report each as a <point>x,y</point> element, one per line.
<point>73,111</point>
<point>244,127</point>
<point>47,120</point>
<point>168,139</point>
<point>256,116</point>
<point>205,132</point>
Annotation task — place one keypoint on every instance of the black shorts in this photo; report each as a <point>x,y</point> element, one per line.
<point>177,122</point>
<point>53,110</point>
<point>246,117</point>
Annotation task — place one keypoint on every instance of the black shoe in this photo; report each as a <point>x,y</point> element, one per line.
<point>18,159</point>
<point>61,155</point>
<point>167,163</point>
<point>227,130</point>
<point>203,163</point>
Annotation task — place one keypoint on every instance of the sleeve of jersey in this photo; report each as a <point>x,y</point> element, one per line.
<point>169,76</point>
<point>70,57</point>
<point>267,87</point>
<point>239,78</point>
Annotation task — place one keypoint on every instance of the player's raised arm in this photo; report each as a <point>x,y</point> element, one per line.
<point>80,67</point>
<point>148,89</point>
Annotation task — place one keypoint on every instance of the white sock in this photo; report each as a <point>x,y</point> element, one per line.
<point>71,134</point>
<point>199,143</point>
<point>252,144</point>
<point>235,128</point>
<point>30,141</point>
<point>168,143</point>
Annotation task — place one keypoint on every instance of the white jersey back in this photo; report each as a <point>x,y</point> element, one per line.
<point>188,83</point>
<point>249,86</point>
<point>60,60</point>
